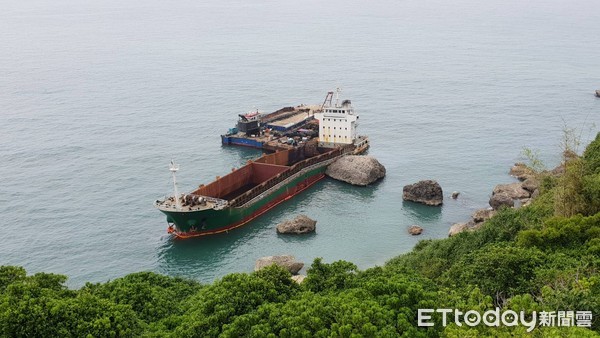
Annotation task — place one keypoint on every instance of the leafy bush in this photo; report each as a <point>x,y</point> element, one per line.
<point>543,257</point>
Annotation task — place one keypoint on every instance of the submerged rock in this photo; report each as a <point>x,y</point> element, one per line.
<point>356,169</point>
<point>299,225</point>
<point>428,192</point>
<point>415,230</point>
<point>286,261</point>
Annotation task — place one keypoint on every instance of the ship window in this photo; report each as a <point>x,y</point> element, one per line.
<point>333,127</point>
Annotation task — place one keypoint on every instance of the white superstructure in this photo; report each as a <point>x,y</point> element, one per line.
<point>337,123</point>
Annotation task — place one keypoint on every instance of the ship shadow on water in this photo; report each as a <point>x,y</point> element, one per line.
<point>357,192</point>
<point>293,238</point>
<point>202,258</point>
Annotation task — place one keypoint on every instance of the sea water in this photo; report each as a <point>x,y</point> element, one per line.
<point>96,98</point>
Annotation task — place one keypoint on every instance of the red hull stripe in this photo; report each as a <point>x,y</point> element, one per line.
<point>283,197</point>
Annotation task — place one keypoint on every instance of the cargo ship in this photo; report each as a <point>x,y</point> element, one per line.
<point>248,192</point>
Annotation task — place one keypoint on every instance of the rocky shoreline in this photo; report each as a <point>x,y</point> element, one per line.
<point>509,195</point>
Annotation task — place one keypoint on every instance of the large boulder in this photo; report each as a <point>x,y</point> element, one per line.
<point>513,190</point>
<point>428,192</point>
<point>299,225</point>
<point>356,169</point>
<point>415,230</point>
<point>501,199</point>
<point>286,261</point>
<point>531,184</point>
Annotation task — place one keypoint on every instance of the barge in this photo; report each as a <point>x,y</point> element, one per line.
<point>268,131</point>
<point>248,192</point>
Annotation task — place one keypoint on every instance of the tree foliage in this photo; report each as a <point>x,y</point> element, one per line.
<point>543,257</point>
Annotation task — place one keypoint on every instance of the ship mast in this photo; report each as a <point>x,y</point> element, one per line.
<point>173,168</point>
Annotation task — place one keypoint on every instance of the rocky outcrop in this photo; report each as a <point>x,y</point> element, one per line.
<point>299,225</point>
<point>558,171</point>
<point>519,194</point>
<point>428,192</point>
<point>513,190</point>
<point>482,215</point>
<point>356,169</point>
<point>286,261</point>
<point>477,220</point>
<point>415,230</point>
<point>501,199</point>
<point>521,171</point>
<point>504,195</point>
<point>524,202</point>
<point>457,228</point>
<point>531,184</point>
<point>455,195</point>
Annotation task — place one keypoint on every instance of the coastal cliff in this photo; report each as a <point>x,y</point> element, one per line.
<point>543,257</point>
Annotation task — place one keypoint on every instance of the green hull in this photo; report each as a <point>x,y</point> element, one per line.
<point>211,221</point>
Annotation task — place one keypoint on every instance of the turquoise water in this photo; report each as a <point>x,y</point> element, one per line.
<point>97,97</point>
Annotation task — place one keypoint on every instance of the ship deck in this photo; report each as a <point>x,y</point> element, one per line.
<point>291,120</point>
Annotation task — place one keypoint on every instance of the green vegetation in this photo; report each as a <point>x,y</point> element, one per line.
<point>543,257</point>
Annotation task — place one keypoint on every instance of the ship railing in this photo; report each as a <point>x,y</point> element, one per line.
<point>277,179</point>
<point>214,200</point>
<point>282,183</point>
